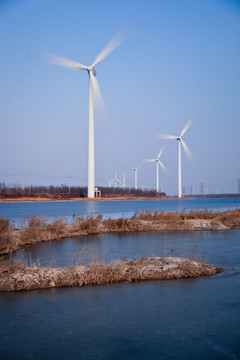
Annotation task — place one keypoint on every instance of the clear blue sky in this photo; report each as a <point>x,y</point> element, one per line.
<point>182,61</point>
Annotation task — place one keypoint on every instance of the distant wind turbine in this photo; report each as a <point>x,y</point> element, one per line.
<point>109,183</point>
<point>136,176</point>
<point>116,180</point>
<point>93,90</point>
<point>124,180</point>
<point>186,149</point>
<point>158,162</point>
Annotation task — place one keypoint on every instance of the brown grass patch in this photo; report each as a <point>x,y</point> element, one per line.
<point>89,224</point>
<point>36,229</point>
<point>41,229</point>
<point>8,242</point>
<point>230,217</point>
<point>19,277</point>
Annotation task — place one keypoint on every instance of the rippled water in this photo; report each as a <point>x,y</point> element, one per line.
<point>174,319</point>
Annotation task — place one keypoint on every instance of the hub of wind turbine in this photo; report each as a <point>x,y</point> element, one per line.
<point>90,69</point>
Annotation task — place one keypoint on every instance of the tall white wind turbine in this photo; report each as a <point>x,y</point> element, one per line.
<point>93,90</point>
<point>158,162</point>
<point>136,176</point>
<point>186,149</point>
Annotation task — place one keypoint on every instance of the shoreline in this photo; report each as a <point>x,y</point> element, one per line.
<point>111,198</point>
<point>120,198</point>
<point>18,278</point>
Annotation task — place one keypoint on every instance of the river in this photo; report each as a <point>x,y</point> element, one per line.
<point>114,209</point>
<point>173,319</point>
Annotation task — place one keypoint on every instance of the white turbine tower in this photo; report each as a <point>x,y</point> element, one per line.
<point>93,90</point>
<point>186,149</point>
<point>124,180</point>
<point>158,162</point>
<point>136,176</point>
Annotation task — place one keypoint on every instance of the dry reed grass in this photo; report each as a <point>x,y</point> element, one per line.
<point>12,266</point>
<point>89,224</point>
<point>40,228</point>
<point>8,242</point>
<point>230,217</point>
<point>17,276</point>
<point>36,229</point>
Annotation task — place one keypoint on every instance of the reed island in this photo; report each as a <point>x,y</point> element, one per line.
<point>16,276</point>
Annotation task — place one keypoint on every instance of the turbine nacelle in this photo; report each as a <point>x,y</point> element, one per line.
<point>92,69</point>
<point>157,160</point>
<point>179,138</point>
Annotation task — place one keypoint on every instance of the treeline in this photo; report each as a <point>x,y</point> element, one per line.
<point>72,192</point>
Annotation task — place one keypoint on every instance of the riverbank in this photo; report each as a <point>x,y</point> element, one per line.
<point>39,229</point>
<point>65,198</point>
<point>16,277</point>
<point>107,198</point>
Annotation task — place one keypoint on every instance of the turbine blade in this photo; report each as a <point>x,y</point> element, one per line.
<point>186,127</point>
<point>164,136</point>
<point>121,36</point>
<point>97,93</point>
<point>161,164</point>
<point>186,149</point>
<point>160,153</point>
<point>149,160</point>
<point>58,60</point>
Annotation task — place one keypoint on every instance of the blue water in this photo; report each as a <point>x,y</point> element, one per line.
<point>221,247</point>
<point>174,319</point>
<point>114,209</point>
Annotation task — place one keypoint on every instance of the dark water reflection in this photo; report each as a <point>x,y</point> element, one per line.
<point>176,319</point>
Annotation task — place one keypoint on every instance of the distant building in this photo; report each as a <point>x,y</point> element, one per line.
<point>239,186</point>
<point>201,188</point>
<point>184,190</point>
<point>191,190</point>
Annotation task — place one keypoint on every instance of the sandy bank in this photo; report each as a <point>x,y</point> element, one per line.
<point>16,278</point>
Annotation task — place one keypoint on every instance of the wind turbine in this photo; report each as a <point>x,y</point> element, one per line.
<point>116,180</point>
<point>93,89</point>
<point>158,162</point>
<point>124,180</point>
<point>136,175</point>
<point>109,183</point>
<point>186,149</point>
